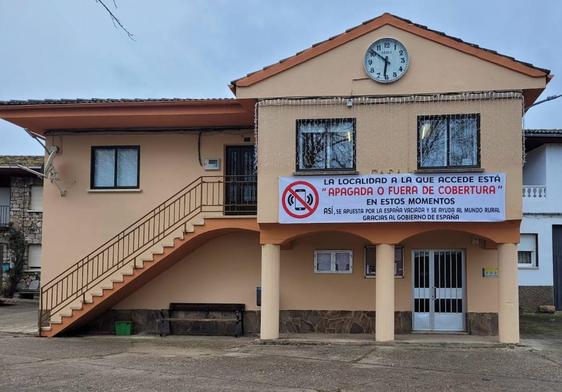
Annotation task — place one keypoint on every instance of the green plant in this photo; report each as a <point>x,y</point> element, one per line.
<point>16,246</point>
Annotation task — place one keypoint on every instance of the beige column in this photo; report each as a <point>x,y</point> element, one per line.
<point>384,328</point>
<point>270,266</point>
<point>508,294</point>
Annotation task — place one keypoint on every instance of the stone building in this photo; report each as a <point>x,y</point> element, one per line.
<point>21,204</point>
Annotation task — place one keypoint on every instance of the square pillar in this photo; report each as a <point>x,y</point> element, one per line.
<point>384,326</point>
<point>270,267</point>
<point>508,294</point>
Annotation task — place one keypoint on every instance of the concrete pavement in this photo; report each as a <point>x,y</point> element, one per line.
<point>313,363</point>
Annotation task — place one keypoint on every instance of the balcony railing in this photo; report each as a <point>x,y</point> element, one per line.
<point>4,216</point>
<point>534,191</point>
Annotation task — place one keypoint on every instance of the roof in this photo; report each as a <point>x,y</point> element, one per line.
<point>42,116</point>
<point>11,161</point>
<point>397,22</point>
<point>543,132</point>
<point>74,101</point>
<point>537,137</point>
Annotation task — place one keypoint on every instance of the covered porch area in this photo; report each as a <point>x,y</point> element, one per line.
<point>402,278</point>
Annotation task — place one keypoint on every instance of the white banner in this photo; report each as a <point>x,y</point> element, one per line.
<point>393,198</point>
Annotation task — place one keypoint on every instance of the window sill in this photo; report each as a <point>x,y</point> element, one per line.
<point>374,277</point>
<point>138,190</point>
<point>40,211</point>
<point>528,268</point>
<point>326,173</point>
<point>450,170</point>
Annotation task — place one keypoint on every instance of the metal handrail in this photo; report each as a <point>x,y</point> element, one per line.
<point>228,194</point>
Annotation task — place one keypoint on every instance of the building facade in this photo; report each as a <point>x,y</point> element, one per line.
<point>540,261</point>
<point>368,184</point>
<point>21,205</point>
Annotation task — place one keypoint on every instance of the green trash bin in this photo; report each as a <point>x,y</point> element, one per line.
<point>123,328</point>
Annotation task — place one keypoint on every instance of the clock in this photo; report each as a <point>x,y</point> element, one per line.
<point>386,60</point>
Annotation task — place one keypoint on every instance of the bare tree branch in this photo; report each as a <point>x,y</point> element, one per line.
<point>116,22</point>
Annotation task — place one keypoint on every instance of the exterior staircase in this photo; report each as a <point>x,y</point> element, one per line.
<point>144,249</point>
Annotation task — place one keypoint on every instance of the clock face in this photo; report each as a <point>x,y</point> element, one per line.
<point>386,60</point>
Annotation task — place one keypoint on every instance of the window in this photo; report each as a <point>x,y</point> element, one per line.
<point>450,141</point>
<point>115,167</point>
<point>34,256</point>
<point>36,203</point>
<point>527,251</point>
<point>333,261</point>
<point>327,144</point>
<point>371,264</point>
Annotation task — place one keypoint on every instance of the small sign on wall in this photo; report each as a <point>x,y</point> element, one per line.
<point>490,272</point>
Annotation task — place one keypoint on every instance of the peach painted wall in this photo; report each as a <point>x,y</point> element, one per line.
<point>79,222</point>
<point>227,269</point>
<point>434,68</point>
<point>386,139</point>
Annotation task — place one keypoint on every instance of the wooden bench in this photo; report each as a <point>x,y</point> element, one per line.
<point>206,314</point>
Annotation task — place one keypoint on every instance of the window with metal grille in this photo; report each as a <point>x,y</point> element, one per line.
<point>449,141</point>
<point>371,261</point>
<point>326,144</point>
<point>115,167</point>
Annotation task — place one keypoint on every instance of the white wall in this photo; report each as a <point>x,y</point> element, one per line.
<point>534,172</point>
<point>543,167</point>
<point>548,160</point>
<point>541,225</point>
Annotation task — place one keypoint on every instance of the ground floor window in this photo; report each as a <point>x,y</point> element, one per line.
<point>333,261</point>
<point>527,251</point>
<point>34,256</point>
<point>371,263</point>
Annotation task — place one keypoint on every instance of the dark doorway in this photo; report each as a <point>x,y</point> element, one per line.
<point>557,265</point>
<point>240,181</point>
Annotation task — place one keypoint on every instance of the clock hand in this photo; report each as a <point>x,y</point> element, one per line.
<point>374,53</point>
<point>386,62</point>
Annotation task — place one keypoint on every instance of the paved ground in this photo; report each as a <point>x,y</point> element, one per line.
<point>178,363</point>
<point>18,316</point>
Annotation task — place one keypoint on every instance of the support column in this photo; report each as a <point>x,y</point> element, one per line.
<point>270,266</point>
<point>384,328</point>
<point>508,294</point>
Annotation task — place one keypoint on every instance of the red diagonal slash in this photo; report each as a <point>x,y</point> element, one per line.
<point>304,203</point>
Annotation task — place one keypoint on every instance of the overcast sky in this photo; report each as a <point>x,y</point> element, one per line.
<point>194,48</point>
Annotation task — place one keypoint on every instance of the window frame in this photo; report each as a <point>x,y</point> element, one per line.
<point>116,148</point>
<point>325,170</point>
<point>448,165</point>
<point>29,266</point>
<point>333,261</point>
<point>373,276</point>
<point>534,265</point>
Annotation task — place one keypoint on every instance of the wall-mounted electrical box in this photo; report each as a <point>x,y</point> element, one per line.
<point>212,164</point>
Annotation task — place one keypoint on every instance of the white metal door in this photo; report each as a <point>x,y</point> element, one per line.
<point>438,290</point>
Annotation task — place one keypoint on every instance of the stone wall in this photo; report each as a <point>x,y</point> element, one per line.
<point>30,223</point>
<point>531,297</point>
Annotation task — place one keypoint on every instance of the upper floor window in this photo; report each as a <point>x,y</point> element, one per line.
<point>115,167</point>
<point>527,251</point>
<point>449,141</point>
<point>36,202</point>
<point>326,144</point>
